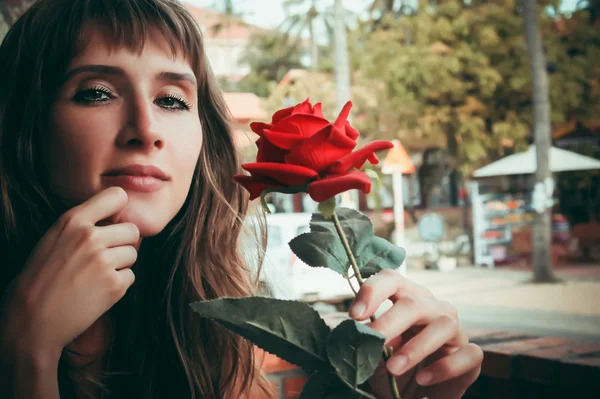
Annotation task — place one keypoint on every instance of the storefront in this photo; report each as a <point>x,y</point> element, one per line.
<point>503,204</point>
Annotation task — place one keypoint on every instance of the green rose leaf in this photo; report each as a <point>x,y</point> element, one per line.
<point>291,330</point>
<point>321,249</point>
<point>381,254</point>
<point>357,227</point>
<point>324,248</point>
<point>321,385</point>
<point>355,349</point>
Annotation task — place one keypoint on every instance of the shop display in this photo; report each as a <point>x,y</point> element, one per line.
<point>503,221</point>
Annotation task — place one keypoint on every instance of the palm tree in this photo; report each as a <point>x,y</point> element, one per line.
<point>542,260</point>
<point>229,16</point>
<point>392,7</point>
<point>296,23</point>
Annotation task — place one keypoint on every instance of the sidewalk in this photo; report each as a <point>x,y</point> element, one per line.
<point>501,298</point>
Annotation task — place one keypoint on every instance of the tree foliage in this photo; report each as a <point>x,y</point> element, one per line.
<point>458,71</point>
<point>320,87</point>
<point>270,55</point>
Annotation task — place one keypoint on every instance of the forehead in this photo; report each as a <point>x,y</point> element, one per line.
<point>96,44</point>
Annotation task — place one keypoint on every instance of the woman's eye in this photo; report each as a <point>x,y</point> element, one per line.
<point>173,103</point>
<point>93,96</point>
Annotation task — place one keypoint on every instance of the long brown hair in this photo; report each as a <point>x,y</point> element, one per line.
<point>159,348</point>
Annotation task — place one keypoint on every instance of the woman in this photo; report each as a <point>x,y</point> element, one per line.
<point>116,166</point>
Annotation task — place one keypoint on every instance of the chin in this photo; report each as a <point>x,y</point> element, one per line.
<point>148,219</point>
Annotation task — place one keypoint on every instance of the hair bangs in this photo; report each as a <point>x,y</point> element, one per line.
<point>131,23</point>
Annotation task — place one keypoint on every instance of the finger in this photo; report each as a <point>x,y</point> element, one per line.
<point>438,333</point>
<point>395,342</point>
<point>466,360</point>
<point>408,311</point>
<point>119,234</point>
<point>121,257</point>
<point>387,284</point>
<point>102,205</point>
<point>127,277</point>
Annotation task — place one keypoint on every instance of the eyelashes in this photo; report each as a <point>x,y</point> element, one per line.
<point>94,95</point>
<point>98,95</point>
<point>173,101</point>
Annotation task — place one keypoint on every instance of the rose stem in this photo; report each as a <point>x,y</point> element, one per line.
<point>387,353</point>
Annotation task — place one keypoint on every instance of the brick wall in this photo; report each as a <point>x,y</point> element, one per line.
<point>515,366</point>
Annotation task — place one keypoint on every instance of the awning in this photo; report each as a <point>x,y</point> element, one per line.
<point>526,163</point>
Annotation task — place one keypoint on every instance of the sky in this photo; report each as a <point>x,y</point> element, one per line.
<point>270,13</point>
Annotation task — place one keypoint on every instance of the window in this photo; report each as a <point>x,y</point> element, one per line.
<point>274,236</point>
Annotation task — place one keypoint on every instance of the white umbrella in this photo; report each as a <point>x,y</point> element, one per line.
<point>526,163</point>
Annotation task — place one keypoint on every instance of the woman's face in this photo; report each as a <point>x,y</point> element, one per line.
<point>126,119</point>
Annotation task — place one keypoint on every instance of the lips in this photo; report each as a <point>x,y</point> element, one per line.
<point>139,170</point>
<point>142,178</point>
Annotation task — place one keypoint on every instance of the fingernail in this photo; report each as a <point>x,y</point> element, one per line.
<point>424,377</point>
<point>397,363</point>
<point>357,309</point>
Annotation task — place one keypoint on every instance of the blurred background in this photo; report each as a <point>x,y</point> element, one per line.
<point>451,83</point>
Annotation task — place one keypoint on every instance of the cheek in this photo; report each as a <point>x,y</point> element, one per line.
<point>73,150</point>
<point>186,152</point>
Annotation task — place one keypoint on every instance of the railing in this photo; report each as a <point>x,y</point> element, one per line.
<point>515,366</point>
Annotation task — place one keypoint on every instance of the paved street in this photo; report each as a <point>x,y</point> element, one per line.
<point>502,298</point>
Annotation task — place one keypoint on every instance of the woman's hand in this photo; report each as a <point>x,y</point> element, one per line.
<point>76,272</point>
<point>432,354</point>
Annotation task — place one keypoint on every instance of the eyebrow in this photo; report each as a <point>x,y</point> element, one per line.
<point>116,71</point>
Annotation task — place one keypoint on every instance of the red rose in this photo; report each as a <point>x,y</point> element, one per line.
<point>300,147</point>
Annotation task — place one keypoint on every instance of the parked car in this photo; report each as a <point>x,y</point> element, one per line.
<point>279,258</point>
<point>287,275</point>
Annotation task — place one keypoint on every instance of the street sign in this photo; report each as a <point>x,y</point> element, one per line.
<point>397,161</point>
<point>431,227</point>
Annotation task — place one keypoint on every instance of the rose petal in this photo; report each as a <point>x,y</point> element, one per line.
<point>322,190</point>
<point>321,150</point>
<point>282,113</point>
<point>358,158</point>
<point>259,127</point>
<point>318,110</point>
<point>287,175</point>
<point>350,131</point>
<point>255,186</point>
<point>341,120</point>
<point>303,108</point>
<point>282,140</point>
<point>307,125</point>
<point>267,152</point>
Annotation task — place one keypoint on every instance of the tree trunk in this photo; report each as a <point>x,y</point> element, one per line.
<point>342,62</point>
<point>314,46</point>
<point>342,79</point>
<point>542,228</point>
<point>452,144</point>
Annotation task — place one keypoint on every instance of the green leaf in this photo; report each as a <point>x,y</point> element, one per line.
<point>380,255</point>
<point>321,249</point>
<point>291,330</point>
<point>357,227</point>
<point>322,385</point>
<point>355,351</point>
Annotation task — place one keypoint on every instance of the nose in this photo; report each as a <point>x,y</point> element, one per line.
<point>140,130</point>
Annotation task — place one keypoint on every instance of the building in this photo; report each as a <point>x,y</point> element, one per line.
<point>225,39</point>
<point>245,108</point>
